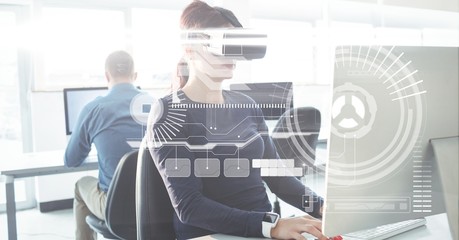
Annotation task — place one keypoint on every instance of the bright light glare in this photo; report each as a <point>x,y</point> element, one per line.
<point>74,43</point>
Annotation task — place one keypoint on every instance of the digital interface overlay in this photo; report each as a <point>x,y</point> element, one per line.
<point>388,101</point>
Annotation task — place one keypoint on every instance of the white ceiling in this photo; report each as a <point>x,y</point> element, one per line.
<point>380,13</point>
<point>285,8</point>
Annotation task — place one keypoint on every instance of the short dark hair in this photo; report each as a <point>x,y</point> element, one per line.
<point>120,64</point>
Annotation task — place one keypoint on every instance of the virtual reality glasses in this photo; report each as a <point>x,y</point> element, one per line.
<point>238,44</point>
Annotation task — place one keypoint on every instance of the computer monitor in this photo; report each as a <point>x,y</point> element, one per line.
<point>274,98</point>
<point>74,101</point>
<point>388,102</point>
<point>446,156</point>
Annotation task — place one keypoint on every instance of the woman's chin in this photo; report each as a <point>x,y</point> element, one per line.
<point>221,79</point>
<point>222,75</point>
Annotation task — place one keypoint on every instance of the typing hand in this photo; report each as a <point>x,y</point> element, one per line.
<point>292,228</point>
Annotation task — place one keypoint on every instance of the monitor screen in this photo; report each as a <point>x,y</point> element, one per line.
<point>74,101</point>
<point>388,102</point>
<point>274,98</point>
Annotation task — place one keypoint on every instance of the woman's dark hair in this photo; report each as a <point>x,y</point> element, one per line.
<point>182,72</point>
<point>199,15</point>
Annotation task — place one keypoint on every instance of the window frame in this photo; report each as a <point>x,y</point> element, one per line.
<point>24,68</point>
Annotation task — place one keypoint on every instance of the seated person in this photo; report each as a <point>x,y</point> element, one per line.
<point>186,134</point>
<point>108,123</point>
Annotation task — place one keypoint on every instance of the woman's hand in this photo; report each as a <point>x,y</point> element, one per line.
<point>291,228</point>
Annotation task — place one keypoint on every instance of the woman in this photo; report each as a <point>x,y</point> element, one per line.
<point>203,145</point>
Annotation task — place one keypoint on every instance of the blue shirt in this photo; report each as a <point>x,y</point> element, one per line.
<point>232,205</point>
<point>107,122</point>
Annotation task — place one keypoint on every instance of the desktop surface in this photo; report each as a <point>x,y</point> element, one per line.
<point>42,163</point>
<point>435,228</point>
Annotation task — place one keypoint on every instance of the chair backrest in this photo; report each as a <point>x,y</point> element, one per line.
<point>153,205</point>
<point>296,134</point>
<point>120,209</point>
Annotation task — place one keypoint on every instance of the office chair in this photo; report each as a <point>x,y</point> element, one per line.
<point>295,137</point>
<point>296,134</point>
<point>153,206</point>
<point>120,215</point>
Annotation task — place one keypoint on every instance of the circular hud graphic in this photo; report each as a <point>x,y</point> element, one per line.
<point>377,114</point>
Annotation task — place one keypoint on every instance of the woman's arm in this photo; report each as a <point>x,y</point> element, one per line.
<point>289,189</point>
<point>193,208</point>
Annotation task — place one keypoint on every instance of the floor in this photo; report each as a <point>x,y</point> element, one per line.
<point>34,225</point>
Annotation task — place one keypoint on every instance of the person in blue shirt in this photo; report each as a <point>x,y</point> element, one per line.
<point>108,123</point>
<point>203,140</point>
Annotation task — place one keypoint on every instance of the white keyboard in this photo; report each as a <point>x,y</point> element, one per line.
<point>385,231</point>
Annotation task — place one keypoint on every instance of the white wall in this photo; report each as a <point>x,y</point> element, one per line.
<point>48,128</point>
<point>48,121</point>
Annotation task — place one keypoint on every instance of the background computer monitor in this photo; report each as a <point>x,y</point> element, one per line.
<point>388,102</point>
<point>273,97</point>
<point>74,101</point>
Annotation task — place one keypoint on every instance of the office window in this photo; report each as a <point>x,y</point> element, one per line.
<point>440,37</point>
<point>71,45</point>
<point>289,55</point>
<point>10,115</point>
<point>156,45</point>
<point>398,36</point>
<point>10,127</point>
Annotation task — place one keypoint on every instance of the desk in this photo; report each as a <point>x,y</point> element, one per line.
<point>32,165</point>
<point>436,228</point>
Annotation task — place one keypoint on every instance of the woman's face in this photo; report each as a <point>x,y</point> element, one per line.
<point>217,68</point>
<point>208,65</point>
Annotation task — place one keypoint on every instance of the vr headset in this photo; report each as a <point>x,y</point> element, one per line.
<point>238,44</point>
